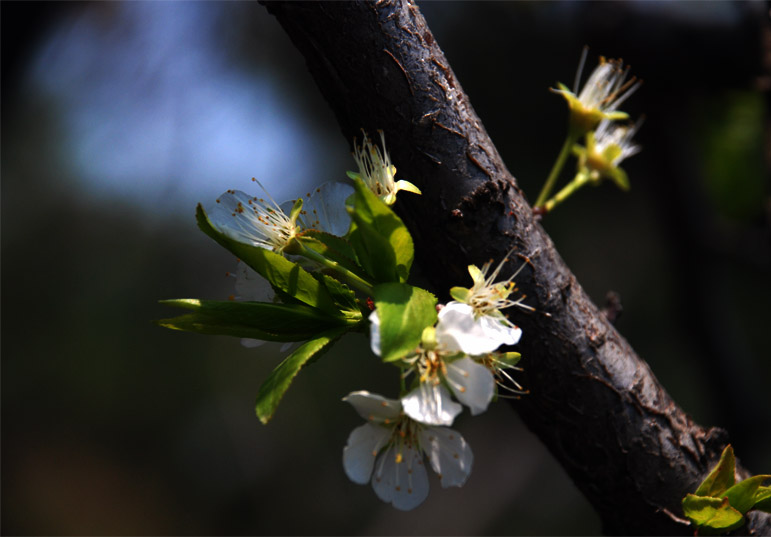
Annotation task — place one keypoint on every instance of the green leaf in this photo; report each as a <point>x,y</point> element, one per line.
<point>275,386</point>
<point>332,247</point>
<point>343,296</point>
<point>373,251</point>
<point>721,478</point>
<point>285,275</point>
<point>404,311</point>
<point>763,499</point>
<point>742,495</point>
<point>381,240</point>
<point>712,513</point>
<point>258,320</point>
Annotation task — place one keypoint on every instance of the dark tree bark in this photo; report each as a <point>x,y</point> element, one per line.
<point>594,403</point>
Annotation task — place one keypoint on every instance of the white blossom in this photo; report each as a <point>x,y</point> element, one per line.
<point>389,450</point>
<point>323,210</point>
<point>436,368</point>
<point>252,220</point>
<point>264,223</point>
<point>474,323</point>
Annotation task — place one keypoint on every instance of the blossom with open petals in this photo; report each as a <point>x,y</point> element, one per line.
<point>377,172</point>
<point>389,451</point>
<point>253,220</point>
<point>440,370</point>
<point>322,210</point>
<point>264,223</point>
<point>604,91</point>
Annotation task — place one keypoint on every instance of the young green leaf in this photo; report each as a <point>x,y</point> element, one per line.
<point>381,240</point>
<point>332,247</point>
<point>372,250</point>
<point>276,385</point>
<point>258,320</point>
<point>742,495</point>
<point>404,311</point>
<point>285,275</point>
<point>713,513</point>
<point>721,478</point>
<point>343,296</point>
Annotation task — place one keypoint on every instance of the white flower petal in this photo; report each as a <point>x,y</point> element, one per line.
<point>373,407</point>
<point>449,454</point>
<point>457,330</point>
<point>359,453</point>
<point>374,332</point>
<point>472,383</point>
<point>431,404</point>
<point>499,330</point>
<point>252,286</point>
<point>325,209</point>
<point>251,343</point>
<point>403,484</point>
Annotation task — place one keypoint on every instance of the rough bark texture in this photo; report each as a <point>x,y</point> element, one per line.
<point>594,403</point>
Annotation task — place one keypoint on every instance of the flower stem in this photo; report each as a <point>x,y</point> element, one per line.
<point>578,181</point>
<point>355,281</point>
<point>548,186</point>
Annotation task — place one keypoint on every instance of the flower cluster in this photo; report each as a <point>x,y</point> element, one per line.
<point>337,260</point>
<point>594,117</point>
<point>455,360</point>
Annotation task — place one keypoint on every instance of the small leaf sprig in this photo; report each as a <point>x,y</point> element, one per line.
<point>719,503</point>
<point>593,117</point>
<point>336,261</point>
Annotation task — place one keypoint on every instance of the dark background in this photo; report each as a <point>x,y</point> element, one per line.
<point>118,117</point>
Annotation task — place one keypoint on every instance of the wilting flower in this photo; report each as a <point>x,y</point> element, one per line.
<point>389,451</point>
<point>377,172</point>
<point>473,323</point>
<point>605,149</point>
<point>604,91</point>
<point>437,367</point>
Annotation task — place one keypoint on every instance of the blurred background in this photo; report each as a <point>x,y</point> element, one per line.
<point>118,117</point>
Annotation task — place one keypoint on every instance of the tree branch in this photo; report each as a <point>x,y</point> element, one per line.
<point>594,403</point>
